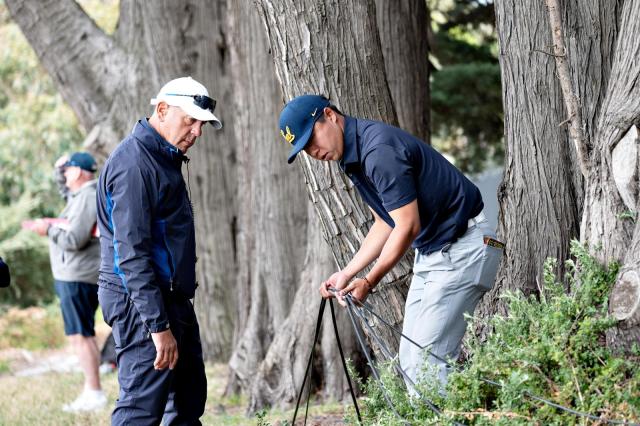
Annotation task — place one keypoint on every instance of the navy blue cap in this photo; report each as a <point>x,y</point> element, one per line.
<point>297,120</point>
<point>84,160</point>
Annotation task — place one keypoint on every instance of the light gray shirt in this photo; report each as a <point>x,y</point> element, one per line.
<point>73,249</point>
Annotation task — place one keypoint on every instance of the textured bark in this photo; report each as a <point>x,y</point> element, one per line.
<point>319,47</point>
<point>602,49</point>
<point>108,81</point>
<point>280,375</point>
<point>272,204</point>
<point>540,193</point>
<point>403,27</point>
<point>604,221</point>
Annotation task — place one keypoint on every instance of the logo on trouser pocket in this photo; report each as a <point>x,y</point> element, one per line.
<point>491,253</point>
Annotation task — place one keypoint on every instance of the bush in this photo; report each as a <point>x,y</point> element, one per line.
<point>27,255</point>
<point>551,346</point>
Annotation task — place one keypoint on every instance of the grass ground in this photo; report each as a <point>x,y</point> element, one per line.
<point>29,337</point>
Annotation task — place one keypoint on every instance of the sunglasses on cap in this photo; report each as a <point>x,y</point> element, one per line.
<point>201,101</point>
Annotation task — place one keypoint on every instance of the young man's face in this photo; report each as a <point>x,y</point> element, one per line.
<point>327,139</point>
<point>180,129</point>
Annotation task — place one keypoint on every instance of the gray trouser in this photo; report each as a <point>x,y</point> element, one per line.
<point>446,285</point>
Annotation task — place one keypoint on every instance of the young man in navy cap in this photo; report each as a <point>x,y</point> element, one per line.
<point>75,257</point>
<point>418,199</point>
<point>147,274</point>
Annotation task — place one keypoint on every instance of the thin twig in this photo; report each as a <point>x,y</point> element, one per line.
<point>576,129</point>
<point>549,54</point>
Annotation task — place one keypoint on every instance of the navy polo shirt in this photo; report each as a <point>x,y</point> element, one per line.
<point>390,168</point>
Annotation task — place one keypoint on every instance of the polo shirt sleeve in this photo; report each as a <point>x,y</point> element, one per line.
<point>389,169</point>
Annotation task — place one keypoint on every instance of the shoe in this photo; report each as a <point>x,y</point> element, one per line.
<point>87,401</point>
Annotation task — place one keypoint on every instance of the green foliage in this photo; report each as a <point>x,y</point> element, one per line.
<point>27,255</point>
<point>551,346</point>
<point>466,95</point>
<point>467,114</point>
<point>36,127</point>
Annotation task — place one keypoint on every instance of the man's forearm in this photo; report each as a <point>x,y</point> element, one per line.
<point>370,249</point>
<point>396,246</point>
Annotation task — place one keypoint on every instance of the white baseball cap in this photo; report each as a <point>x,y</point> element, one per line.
<point>192,97</point>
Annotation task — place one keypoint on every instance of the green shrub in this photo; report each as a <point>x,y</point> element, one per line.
<point>551,346</point>
<point>27,255</point>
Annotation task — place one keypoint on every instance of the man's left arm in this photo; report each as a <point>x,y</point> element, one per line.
<point>76,235</point>
<point>407,227</point>
<point>390,169</point>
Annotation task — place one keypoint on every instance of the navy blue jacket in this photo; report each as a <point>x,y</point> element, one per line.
<point>145,218</point>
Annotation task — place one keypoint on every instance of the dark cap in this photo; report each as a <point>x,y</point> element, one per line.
<point>84,160</point>
<point>297,119</point>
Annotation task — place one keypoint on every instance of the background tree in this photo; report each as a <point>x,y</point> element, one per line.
<point>357,83</point>
<point>466,97</point>
<point>570,195</point>
<point>107,79</point>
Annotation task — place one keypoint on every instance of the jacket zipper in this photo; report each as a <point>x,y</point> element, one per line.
<point>171,267</point>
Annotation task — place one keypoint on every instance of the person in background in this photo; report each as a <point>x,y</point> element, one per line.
<point>74,251</point>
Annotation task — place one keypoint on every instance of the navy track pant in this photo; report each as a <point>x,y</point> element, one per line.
<point>148,396</point>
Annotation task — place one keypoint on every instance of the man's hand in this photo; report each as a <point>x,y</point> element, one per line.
<point>40,227</point>
<point>60,161</point>
<point>166,350</point>
<point>338,280</point>
<point>359,290</point>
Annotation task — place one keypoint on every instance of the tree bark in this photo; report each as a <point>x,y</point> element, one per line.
<point>280,375</point>
<point>321,48</point>
<point>540,193</point>
<point>272,203</point>
<point>403,27</point>
<point>109,80</point>
<point>610,214</point>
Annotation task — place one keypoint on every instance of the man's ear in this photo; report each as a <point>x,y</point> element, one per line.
<point>330,114</point>
<point>161,110</point>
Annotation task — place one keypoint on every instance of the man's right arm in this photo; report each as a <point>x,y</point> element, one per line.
<point>369,251</point>
<point>130,199</point>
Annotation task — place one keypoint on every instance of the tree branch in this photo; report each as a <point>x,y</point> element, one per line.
<point>77,54</point>
<point>576,128</point>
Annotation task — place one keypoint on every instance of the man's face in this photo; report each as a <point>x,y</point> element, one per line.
<point>179,129</point>
<point>71,175</point>
<point>327,139</point>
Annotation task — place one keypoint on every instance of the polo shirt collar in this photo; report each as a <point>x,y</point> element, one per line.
<point>351,154</point>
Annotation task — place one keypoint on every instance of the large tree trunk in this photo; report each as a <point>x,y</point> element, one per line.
<point>612,192</point>
<point>541,190</point>
<point>108,81</point>
<point>280,375</point>
<point>275,280</point>
<point>319,47</point>
<point>403,26</point>
<point>272,204</point>
<point>601,49</point>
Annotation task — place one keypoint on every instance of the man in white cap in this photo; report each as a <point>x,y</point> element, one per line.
<point>147,273</point>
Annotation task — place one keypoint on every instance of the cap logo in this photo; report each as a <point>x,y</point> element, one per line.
<point>289,137</point>
<point>313,114</point>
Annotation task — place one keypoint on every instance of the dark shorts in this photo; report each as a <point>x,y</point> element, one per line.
<point>78,302</point>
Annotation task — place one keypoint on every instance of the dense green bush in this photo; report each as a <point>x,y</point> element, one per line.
<point>27,255</point>
<point>551,346</point>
